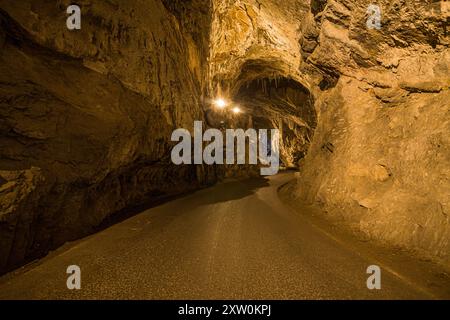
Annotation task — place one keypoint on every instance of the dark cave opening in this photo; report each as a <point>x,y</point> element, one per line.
<point>283,103</point>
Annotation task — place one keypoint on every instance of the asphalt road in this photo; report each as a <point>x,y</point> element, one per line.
<point>236,240</point>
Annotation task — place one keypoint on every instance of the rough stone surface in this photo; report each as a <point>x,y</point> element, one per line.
<point>380,157</point>
<point>255,60</point>
<point>86,116</point>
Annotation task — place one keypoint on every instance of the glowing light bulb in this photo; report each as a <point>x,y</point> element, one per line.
<point>237,110</point>
<point>220,103</point>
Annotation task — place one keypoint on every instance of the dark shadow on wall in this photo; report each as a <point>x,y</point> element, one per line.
<point>55,143</point>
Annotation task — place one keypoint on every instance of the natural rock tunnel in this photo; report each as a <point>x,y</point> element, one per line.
<point>284,104</point>
<point>86,115</point>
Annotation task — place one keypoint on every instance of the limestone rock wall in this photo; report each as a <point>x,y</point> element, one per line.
<point>380,157</point>
<point>255,60</point>
<point>253,39</point>
<point>86,116</point>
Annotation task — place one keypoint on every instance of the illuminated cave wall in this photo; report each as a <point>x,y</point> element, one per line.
<point>86,116</point>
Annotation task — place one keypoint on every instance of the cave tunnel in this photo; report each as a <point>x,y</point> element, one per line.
<point>115,165</point>
<point>285,104</point>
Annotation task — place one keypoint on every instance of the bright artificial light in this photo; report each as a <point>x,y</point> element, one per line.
<point>220,103</point>
<point>236,110</point>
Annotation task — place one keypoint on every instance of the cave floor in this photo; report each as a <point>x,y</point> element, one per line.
<point>236,240</point>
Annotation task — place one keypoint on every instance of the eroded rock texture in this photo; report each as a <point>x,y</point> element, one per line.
<point>380,155</point>
<point>255,59</point>
<point>86,116</point>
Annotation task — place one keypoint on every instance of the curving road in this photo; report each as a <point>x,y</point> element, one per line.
<point>236,240</point>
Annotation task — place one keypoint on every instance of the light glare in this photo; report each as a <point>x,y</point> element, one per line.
<point>236,110</point>
<point>220,103</point>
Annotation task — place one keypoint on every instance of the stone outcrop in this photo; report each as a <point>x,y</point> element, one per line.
<point>379,156</point>
<point>255,60</point>
<point>86,116</point>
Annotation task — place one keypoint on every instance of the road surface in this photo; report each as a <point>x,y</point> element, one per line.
<point>236,240</point>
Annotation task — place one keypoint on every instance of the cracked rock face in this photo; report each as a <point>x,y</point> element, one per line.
<point>255,60</point>
<point>380,153</point>
<point>264,33</point>
<point>86,117</point>
<point>387,117</point>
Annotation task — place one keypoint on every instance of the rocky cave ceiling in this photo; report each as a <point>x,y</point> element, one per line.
<point>255,60</point>
<point>260,44</point>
